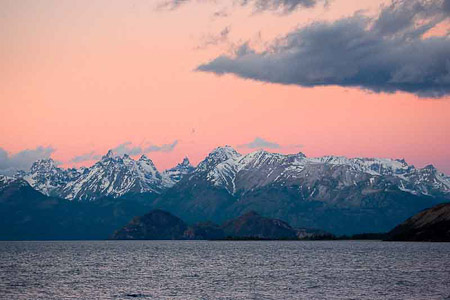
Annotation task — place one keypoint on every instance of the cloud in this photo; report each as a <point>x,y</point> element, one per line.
<point>127,148</point>
<point>283,6</point>
<point>260,143</point>
<point>85,157</point>
<point>213,40</point>
<point>222,13</point>
<point>171,4</point>
<point>383,54</point>
<point>11,163</point>
<point>402,17</point>
<point>162,148</point>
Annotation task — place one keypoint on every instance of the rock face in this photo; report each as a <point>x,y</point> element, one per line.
<point>432,224</point>
<point>252,225</point>
<point>156,225</point>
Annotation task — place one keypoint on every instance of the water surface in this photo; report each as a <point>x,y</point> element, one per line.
<point>224,270</point>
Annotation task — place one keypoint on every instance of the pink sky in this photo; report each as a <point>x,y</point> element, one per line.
<point>84,76</point>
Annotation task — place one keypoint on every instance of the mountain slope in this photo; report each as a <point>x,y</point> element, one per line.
<point>432,224</point>
<point>252,225</point>
<point>156,225</point>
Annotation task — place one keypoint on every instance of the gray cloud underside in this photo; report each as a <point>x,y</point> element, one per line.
<point>258,143</point>
<point>386,54</point>
<point>85,157</point>
<point>284,6</point>
<point>10,164</point>
<point>213,40</point>
<point>162,148</point>
<point>126,148</point>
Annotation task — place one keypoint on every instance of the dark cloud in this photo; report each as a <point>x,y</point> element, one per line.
<point>85,157</point>
<point>11,163</point>
<point>410,18</point>
<point>385,54</point>
<point>284,6</point>
<point>213,40</point>
<point>258,143</point>
<point>162,148</point>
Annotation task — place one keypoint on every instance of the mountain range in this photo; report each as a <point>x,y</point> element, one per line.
<point>112,176</point>
<point>333,193</point>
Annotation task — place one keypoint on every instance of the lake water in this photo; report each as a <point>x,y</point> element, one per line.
<point>224,270</point>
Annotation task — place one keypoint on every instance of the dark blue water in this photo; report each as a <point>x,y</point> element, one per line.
<point>224,270</point>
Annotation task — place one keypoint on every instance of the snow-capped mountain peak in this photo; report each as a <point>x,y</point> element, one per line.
<point>144,158</point>
<point>185,162</point>
<point>46,177</point>
<point>260,168</point>
<point>109,154</point>
<point>43,165</point>
<point>115,176</point>
<point>175,174</point>
<point>217,156</point>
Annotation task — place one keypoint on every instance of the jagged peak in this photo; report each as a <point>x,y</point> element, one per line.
<point>430,167</point>
<point>402,160</point>
<point>45,163</point>
<point>227,149</point>
<point>144,158</point>
<point>185,162</point>
<point>217,156</point>
<point>110,154</point>
<point>301,154</point>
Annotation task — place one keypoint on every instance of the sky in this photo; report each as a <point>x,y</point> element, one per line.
<point>178,78</point>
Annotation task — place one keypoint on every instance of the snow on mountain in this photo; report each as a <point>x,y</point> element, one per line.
<point>224,167</point>
<point>114,176</point>
<point>46,177</point>
<point>175,174</point>
<point>244,173</point>
<point>217,156</point>
<point>5,181</point>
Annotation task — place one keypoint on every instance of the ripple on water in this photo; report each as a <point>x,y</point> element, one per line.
<point>224,270</point>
